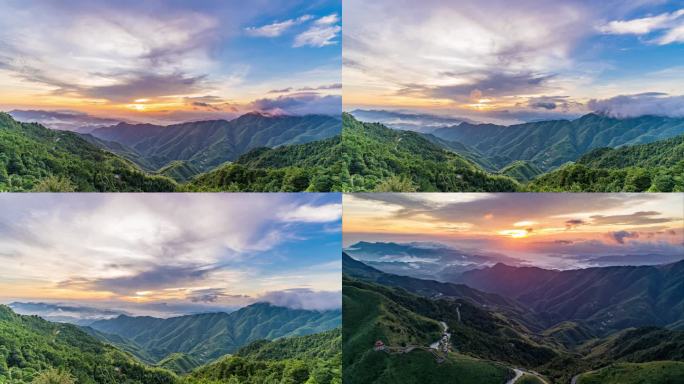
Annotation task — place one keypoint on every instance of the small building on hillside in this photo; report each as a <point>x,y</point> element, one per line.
<point>379,345</point>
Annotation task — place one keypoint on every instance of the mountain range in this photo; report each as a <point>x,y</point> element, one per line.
<point>207,144</point>
<point>538,156</point>
<point>592,333</point>
<point>206,336</point>
<point>307,349</point>
<point>34,158</point>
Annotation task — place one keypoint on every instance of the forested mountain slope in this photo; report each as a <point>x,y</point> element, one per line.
<point>211,335</point>
<point>33,157</point>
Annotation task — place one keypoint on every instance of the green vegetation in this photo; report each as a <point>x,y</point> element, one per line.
<point>529,379</point>
<point>653,167</point>
<point>208,144</point>
<point>371,315</point>
<point>34,158</point>
<point>550,144</point>
<point>179,363</point>
<point>208,336</point>
<point>521,170</point>
<point>379,158</point>
<point>378,305</point>
<point>312,359</point>
<point>312,167</point>
<point>179,170</point>
<point>34,350</point>
<point>656,372</point>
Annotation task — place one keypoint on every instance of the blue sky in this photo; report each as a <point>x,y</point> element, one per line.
<point>489,61</point>
<point>171,60</point>
<point>183,252</point>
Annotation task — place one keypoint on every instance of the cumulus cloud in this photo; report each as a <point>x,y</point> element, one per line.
<point>552,102</point>
<point>322,33</point>
<point>304,298</point>
<point>652,103</point>
<point>573,223</point>
<point>276,29</point>
<point>671,23</point>
<point>313,214</point>
<point>300,104</point>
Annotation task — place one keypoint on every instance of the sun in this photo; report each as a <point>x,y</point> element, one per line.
<point>515,233</point>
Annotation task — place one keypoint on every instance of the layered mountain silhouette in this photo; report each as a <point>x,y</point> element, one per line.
<point>207,144</point>
<point>581,324</point>
<point>207,336</point>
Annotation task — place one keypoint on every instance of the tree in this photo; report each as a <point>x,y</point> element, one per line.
<point>54,376</point>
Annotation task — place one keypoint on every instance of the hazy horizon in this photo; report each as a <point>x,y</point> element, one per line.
<point>169,61</point>
<point>560,231</point>
<point>171,254</point>
<point>495,63</point>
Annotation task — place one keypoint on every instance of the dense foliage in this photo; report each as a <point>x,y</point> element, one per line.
<point>312,359</point>
<point>560,351</point>
<point>34,350</point>
<point>33,157</point>
<point>208,336</point>
<point>549,144</point>
<point>379,158</point>
<point>312,167</point>
<point>653,167</point>
<point>208,144</point>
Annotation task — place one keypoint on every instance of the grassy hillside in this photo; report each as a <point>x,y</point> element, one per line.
<point>211,335</point>
<point>370,315</point>
<point>657,372</point>
<point>31,346</point>
<point>381,159</point>
<point>34,158</point>
<point>653,167</point>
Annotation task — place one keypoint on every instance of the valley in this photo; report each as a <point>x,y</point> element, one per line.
<point>202,156</point>
<point>257,344</point>
<point>501,344</point>
<point>594,153</point>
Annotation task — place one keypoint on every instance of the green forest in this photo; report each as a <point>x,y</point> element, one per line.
<point>367,157</point>
<point>491,335</point>
<point>36,351</point>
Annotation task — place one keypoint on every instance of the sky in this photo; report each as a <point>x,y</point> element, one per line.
<point>550,230</point>
<point>170,254</point>
<point>493,62</point>
<point>171,60</point>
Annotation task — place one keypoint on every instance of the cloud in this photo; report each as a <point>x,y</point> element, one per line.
<point>212,295</point>
<point>322,87</point>
<point>672,23</point>
<point>482,85</point>
<point>300,104</point>
<point>636,218</point>
<point>321,34</point>
<point>304,298</point>
<point>574,223</point>
<point>276,29</point>
<point>283,90</point>
<point>211,103</point>
<point>552,103</point>
<point>141,85</point>
<point>620,236</point>
<point>313,214</point>
<point>63,119</point>
<point>652,103</point>
<point>155,278</point>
